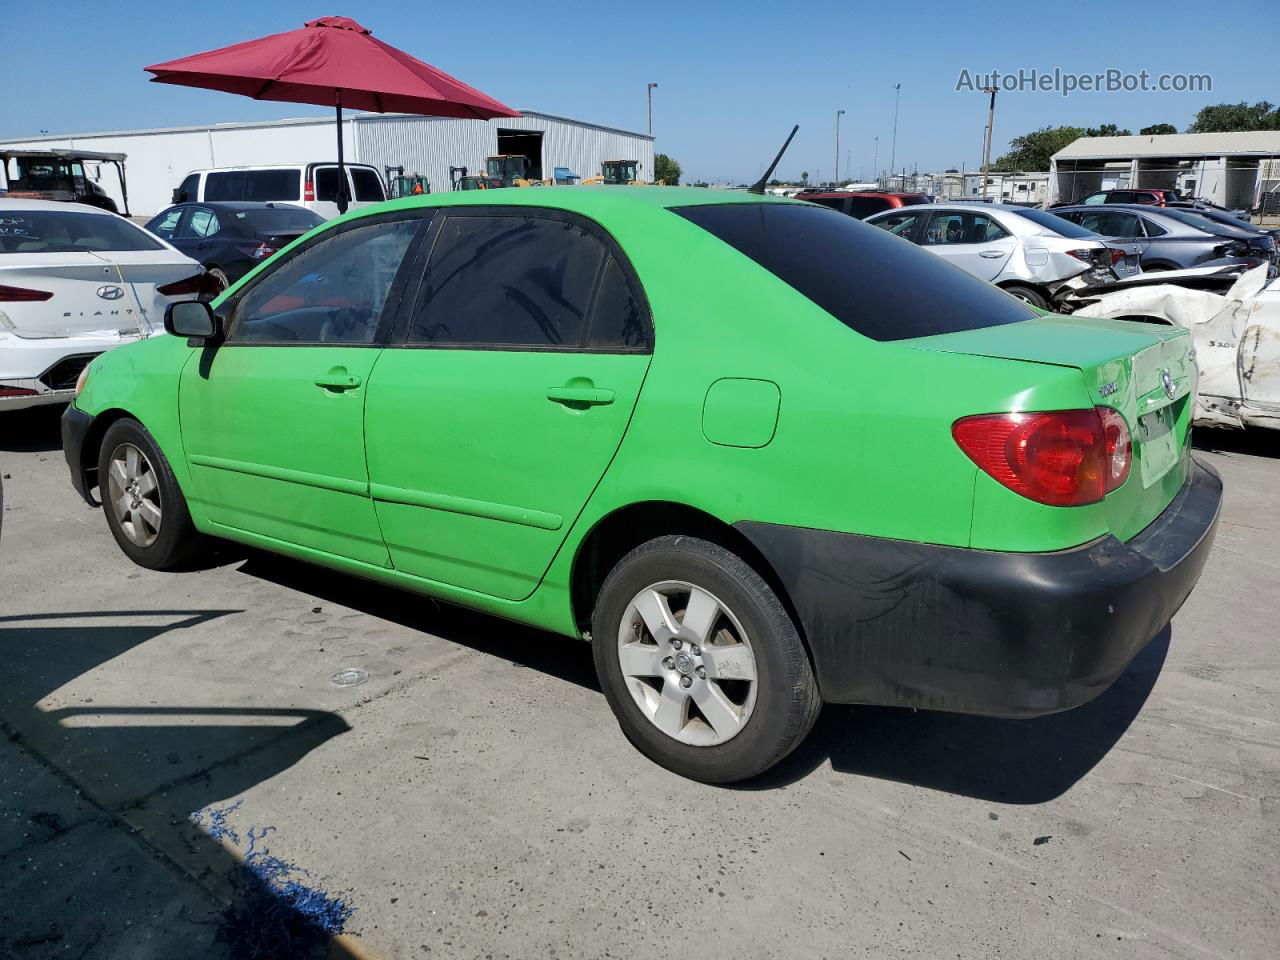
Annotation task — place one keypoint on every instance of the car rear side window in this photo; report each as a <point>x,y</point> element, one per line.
<point>508,281</point>
<point>617,319</point>
<point>333,291</point>
<point>863,207</point>
<point>368,186</point>
<point>882,286</point>
<point>263,185</point>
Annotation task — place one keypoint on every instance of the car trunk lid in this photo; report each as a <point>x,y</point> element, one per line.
<point>1145,371</point>
<point>89,296</point>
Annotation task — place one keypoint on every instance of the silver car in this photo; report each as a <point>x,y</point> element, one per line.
<point>1032,254</point>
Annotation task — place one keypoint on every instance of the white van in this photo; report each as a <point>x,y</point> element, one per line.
<point>310,185</point>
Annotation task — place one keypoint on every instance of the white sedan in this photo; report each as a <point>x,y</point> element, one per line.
<point>1033,255</point>
<point>76,281</point>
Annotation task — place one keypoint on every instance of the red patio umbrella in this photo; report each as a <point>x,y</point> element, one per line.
<point>332,60</point>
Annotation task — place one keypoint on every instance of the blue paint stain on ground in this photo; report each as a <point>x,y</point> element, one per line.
<point>278,911</point>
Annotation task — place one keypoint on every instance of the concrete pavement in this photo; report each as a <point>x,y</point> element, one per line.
<point>172,739</point>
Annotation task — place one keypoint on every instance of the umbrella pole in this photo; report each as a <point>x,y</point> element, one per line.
<point>342,170</point>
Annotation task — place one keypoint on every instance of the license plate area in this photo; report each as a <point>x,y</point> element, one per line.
<point>1157,444</point>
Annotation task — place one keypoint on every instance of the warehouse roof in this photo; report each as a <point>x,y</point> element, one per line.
<point>302,121</point>
<point>1254,142</point>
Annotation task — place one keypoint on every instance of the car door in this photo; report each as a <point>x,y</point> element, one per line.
<point>972,241</point>
<point>196,231</point>
<point>493,419</point>
<point>904,224</point>
<point>273,418</point>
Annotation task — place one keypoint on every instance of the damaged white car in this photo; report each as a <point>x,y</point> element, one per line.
<point>1032,254</point>
<point>1236,335</point>
<point>76,281</point>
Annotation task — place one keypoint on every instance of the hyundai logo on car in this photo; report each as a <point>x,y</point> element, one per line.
<point>110,292</point>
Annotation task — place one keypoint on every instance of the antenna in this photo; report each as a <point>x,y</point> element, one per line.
<point>758,186</point>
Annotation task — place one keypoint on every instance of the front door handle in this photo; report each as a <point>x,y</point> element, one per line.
<point>338,381</point>
<point>990,254</point>
<point>588,396</point>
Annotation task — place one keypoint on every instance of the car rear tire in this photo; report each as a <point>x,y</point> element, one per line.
<point>144,505</point>
<point>1028,295</point>
<point>700,661</point>
<point>220,278</point>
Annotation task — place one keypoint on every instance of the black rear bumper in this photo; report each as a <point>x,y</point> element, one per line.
<point>75,427</point>
<point>972,631</point>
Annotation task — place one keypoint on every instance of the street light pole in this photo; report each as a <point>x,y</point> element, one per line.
<point>650,91</point>
<point>986,142</point>
<point>893,152</point>
<point>836,179</point>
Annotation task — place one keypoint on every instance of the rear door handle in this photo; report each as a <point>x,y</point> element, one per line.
<point>338,381</point>
<point>591,396</point>
<point>991,254</point>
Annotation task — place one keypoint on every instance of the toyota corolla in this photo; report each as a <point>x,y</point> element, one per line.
<point>762,455</point>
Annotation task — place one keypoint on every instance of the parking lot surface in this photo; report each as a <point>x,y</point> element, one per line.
<point>174,742</point>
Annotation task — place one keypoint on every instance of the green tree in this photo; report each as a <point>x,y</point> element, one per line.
<point>1233,117</point>
<point>1156,129</point>
<point>1032,151</point>
<point>804,177</point>
<point>666,170</point>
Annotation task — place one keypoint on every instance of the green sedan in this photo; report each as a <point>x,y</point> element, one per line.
<point>760,454</point>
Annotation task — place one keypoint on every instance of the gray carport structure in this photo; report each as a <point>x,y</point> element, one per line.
<point>1234,170</point>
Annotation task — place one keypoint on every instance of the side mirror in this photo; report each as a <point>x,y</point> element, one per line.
<point>193,319</point>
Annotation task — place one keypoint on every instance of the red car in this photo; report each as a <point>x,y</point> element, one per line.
<point>862,204</point>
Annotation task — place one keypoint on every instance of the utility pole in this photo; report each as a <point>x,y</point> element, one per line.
<point>986,142</point>
<point>650,91</point>
<point>893,152</point>
<point>875,163</point>
<point>839,113</point>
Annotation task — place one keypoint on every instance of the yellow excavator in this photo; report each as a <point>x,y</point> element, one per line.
<point>511,170</point>
<point>617,173</point>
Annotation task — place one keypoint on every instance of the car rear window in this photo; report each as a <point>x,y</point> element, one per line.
<point>280,219</point>
<point>56,231</point>
<point>882,286</point>
<point>258,185</point>
<point>1059,225</point>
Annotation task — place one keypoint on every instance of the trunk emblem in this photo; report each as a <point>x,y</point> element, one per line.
<point>110,293</point>
<point>1166,380</point>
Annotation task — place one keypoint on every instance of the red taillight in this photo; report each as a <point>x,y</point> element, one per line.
<point>308,191</point>
<point>201,284</point>
<point>260,252</point>
<point>1085,255</point>
<point>22,294</point>
<point>1116,256</point>
<point>1063,458</point>
<point>16,392</point>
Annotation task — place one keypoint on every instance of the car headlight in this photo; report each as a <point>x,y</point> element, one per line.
<point>83,378</point>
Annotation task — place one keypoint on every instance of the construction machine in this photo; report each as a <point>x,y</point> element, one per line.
<point>512,170</point>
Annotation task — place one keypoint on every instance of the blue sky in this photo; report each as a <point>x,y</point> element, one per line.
<point>731,81</point>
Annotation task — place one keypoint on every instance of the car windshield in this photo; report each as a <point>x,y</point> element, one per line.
<point>68,231</point>
<point>279,219</point>
<point>1059,225</point>
<point>882,286</point>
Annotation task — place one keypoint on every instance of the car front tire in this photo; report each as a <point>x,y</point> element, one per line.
<point>700,661</point>
<point>146,511</point>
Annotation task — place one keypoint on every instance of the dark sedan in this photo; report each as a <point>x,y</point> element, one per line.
<point>230,239</point>
<point>1172,239</point>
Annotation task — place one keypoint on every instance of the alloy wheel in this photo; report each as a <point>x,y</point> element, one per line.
<point>134,494</point>
<point>687,663</point>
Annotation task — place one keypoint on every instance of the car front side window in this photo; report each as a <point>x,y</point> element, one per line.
<point>167,223</point>
<point>332,291</point>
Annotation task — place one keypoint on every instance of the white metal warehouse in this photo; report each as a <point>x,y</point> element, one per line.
<point>1236,170</point>
<point>427,146</point>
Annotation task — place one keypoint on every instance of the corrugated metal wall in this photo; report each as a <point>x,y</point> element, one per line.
<point>428,147</point>
<point>159,159</point>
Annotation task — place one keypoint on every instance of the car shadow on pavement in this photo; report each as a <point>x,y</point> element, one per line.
<point>111,835</point>
<point>34,430</point>
<point>1254,441</point>
<point>522,645</point>
<point>1004,761</point>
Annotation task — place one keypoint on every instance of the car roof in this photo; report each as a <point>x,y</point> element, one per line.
<point>20,203</point>
<point>590,201</point>
<point>283,165</point>
<point>878,194</point>
<point>239,204</point>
